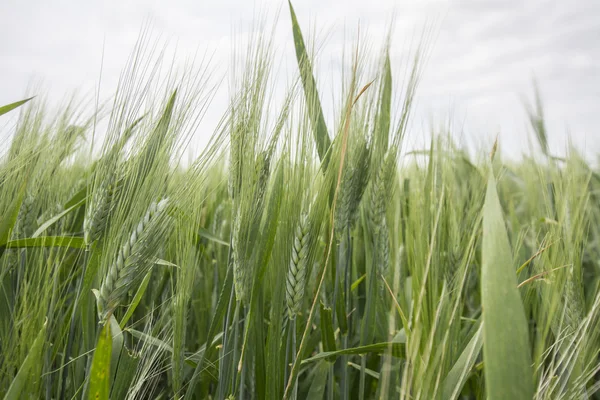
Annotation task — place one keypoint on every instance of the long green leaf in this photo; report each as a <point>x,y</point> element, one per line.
<point>398,350</point>
<point>207,235</point>
<point>311,93</point>
<point>77,197</point>
<point>12,106</point>
<point>15,391</point>
<point>136,299</point>
<point>100,371</point>
<point>54,219</point>
<point>506,351</point>
<point>47,241</point>
<point>459,373</point>
<point>383,122</point>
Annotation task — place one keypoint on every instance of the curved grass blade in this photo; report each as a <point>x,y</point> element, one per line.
<point>22,378</point>
<point>100,371</point>
<point>311,93</point>
<point>12,106</point>
<point>77,197</point>
<point>397,350</point>
<point>208,235</point>
<point>54,219</point>
<point>506,350</point>
<point>136,299</point>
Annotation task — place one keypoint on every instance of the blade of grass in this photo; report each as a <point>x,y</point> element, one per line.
<point>136,299</point>
<point>397,350</point>
<point>47,241</point>
<point>12,106</point>
<point>100,372</point>
<point>313,104</point>
<point>459,373</point>
<point>34,356</point>
<point>55,219</point>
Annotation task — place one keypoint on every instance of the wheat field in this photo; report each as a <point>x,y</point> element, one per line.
<point>292,258</point>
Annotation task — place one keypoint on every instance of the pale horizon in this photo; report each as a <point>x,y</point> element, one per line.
<point>482,62</point>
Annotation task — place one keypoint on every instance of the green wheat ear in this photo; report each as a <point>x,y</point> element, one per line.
<point>296,276</point>
<point>97,216</point>
<point>133,259</point>
<point>26,223</point>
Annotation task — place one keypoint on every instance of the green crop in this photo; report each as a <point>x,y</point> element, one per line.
<point>291,259</point>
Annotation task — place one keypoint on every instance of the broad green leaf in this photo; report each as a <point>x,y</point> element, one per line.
<point>506,350</point>
<point>459,373</point>
<point>34,356</point>
<point>100,371</point>
<point>311,93</point>
<point>47,241</point>
<point>12,106</point>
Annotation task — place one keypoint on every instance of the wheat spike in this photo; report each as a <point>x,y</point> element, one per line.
<point>27,219</point>
<point>246,225</point>
<point>98,214</point>
<point>241,274</point>
<point>133,259</point>
<point>235,160</point>
<point>262,170</point>
<point>296,277</point>
<point>377,200</point>
<point>354,181</point>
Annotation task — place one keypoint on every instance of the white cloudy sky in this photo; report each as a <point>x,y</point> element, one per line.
<point>482,62</point>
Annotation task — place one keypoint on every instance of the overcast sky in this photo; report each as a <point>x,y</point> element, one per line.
<point>481,66</point>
